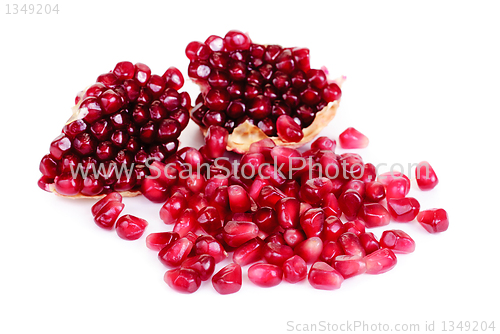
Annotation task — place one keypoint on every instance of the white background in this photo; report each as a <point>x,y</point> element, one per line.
<point>423,83</point>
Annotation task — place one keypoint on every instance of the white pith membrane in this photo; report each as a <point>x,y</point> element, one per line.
<point>246,133</point>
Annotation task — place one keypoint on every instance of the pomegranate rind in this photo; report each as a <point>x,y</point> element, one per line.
<point>246,133</point>
<point>52,188</point>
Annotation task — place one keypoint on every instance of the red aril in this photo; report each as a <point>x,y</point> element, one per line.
<point>239,201</point>
<point>207,244</point>
<point>186,223</point>
<point>287,212</point>
<point>294,269</point>
<point>173,208</point>
<point>183,280</point>
<point>310,249</point>
<point>331,249</point>
<point>266,220</point>
<point>276,253</point>
<point>157,241</point>
<point>369,242</point>
<point>433,220</point>
<point>403,209</point>
<point>375,192</point>
<point>426,177</point>
<point>349,266</point>
<point>350,202</point>
<point>293,237</point>
<point>380,261</point>
<point>107,216</point>
<point>324,277</point>
<point>398,241</point>
<point>312,222</point>
<point>130,227</point>
<point>265,275</point>
<point>237,233</point>
<point>173,255</point>
<point>352,138</point>
<point>332,228</point>
<point>374,215</point>
<point>228,280</point>
<point>251,251</point>
<point>351,245</point>
<point>203,264</point>
<point>111,197</point>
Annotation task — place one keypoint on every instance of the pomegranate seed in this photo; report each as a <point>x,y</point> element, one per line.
<point>173,208</point>
<point>369,173</point>
<point>206,244</point>
<point>314,190</point>
<point>265,275</point>
<point>209,220</point>
<point>332,228</point>
<point>269,196</point>
<point>386,178</point>
<point>203,264</point>
<point>330,206</point>
<point>352,138</point>
<point>349,266</point>
<point>356,226</point>
<point>239,201</point>
<point>375,191</point>
<point>398,241</point>
<point>65,184</point>
<point>426,177</point>
<point>324,277</point>
<point>374,214</point>
<point>107,215</point>
<point>397,188</point>
<point>124,70</point>
<point>357,185</point>
<point>331,92</point>
<point>142,73</point>
<point>312,222</point>
<point>174,254</point>
<point>287,212</point>
<point>351,245</point>
<point>251,251</point>
<point>331,249</point>
<point>174,79</point>
<point>237,233</point>
<point>433,220</point>
<point>111,197</point>
<point>130,227</point>
<point>158,241</point>
<point>288,130</point>
<point>324,143</point>
<point>293,237</point>
<point>236,40</point>
<point>369,242</point>
<point>380,261</point>
<point>276,253</point>
<point>266,220</point>
<point>186,223</point>
<point>183,280</point>
<point>228,280</point>
<point>350,202</point>
<point>216,141</point>
<point>403,209</point>
<point>294,269</point>
<point>286,157</point>
<point>154,191</point>
<point>310,249</point>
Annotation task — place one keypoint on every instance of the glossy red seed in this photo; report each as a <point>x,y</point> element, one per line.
<point>310,249</point>
<point>397,188</point>
<point>173,208</point>
<point>111,197</point>
<point>375,191</point>
<point>130,227</point>
<point>183,280</point>
<point>332,228</point>
<point>287,212</point>
<point>349,266</point>
<point>228,280</point>
<point>265,275</point>
<point>380,261</point>
<point>426,177</point>
<point>403,210</point>
<point>237,233</point>
<point>352,138</point>
<point>293,237</point>
<point>331,92</point>
<point>186,223</point>
<point>312,222</point>
<point>207,244</point>
<point>350,202</point>
<point>216,141</point>
<point>324,143</point>
<point>294,269</point>
<point>236,40</point>
<point>142,73</point>
<point>331,249</point>
<point>288,130</point>
<point>249,252</point>
<point>209,220</point>
<point>433,220</point>
<point>266,219</point>
<point>239,201</point>
<point>124,70</point>
<point>276,253</point>
<point>174,254</point>
<point>173,78</point>
<point>369,242</point>
<point>351,245</point>
<point>330,206</point>
<point>355,226</point>
<point>398,241</point>
<point>324,277</point>
<point>374,214</point>
<point>203,264</point>
<point>153,190</point>
<point>107,215</point>
<point>160,240</point>
<point>386,178</point>
<point>65,184</point>
<point>314,190</point>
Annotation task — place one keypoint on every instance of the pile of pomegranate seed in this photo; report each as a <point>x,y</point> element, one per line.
<point>272,87</point>
<point>126,117</point>
<point>287,223</point>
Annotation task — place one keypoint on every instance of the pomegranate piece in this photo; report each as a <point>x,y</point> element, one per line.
<point>398,241</point>
<point>269,196</point>
<point>209,220</point>
<point>287,212</point>
<point>352,138</point>
<point>130,227</point>
<point>323,143</point>
<point>276,253</point>
<point>216,141</point>
<point>310,249</point>
<point>265,275</point>
<point>239,201</point>
<point>369,242</point>
<point>207,244</point>
<point>397,188</point>
<point>107,216</point>
<point>351,245</point>
<point>237,233</point>
<point>228,280</point>
<point>331,249</point>
<point>374,215</point>
<point>386,178</point>
<point>349,266</point>
<point>375,191</point>
<point>111,197</point>
<point>265,218</point>
<point>127,117</point>
<point>314,190</point>
<point>403,209</point>
<point>324,277</point>
<point>312,222</point>
<point>426,177</point>
<point>330,206</point>
<point>332,228</point>
<point>183,280</point>
<point>186,223</point>
<point>288,129</point>
<point>433,220</point>
<point>157,241</point>
<point>173,255</point>
<point>251,251</point>
<point>356,226</point>
<point>294,269</point>
<point>350,202</point>
<point>293,237</point>
<point>380,261</point>
<point>203,264</point>
<point>173,208</point>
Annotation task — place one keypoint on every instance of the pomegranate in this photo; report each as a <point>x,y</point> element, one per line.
<point>256,91</point>
<point>120,124</point>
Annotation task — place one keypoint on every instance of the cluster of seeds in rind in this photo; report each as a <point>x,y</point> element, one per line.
<point>242,81</point>
<point>126,117</point>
